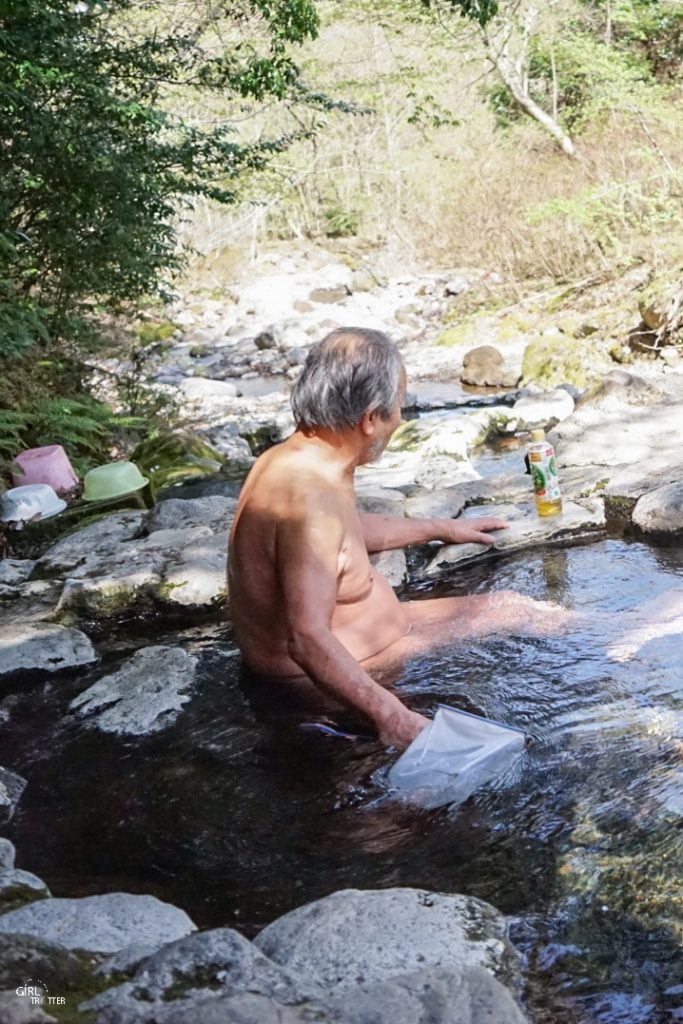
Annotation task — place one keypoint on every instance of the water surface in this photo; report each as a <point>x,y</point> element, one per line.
<point>237,815</point>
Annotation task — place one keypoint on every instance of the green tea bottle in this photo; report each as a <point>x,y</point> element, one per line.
<point>544,475</point>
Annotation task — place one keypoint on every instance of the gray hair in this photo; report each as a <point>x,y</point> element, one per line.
<point>351,371</point>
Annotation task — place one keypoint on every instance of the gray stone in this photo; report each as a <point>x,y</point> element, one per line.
<point>144,696</point>
<point>363,280</point>
<point>391,565</point>
<point>11,788</point>
<point>15,1009</point>
<point>103,535</point>
<point>442,504</point>
<point>525,530</point>
<point>169,569</point>
<point>483,366</point>
<point>439,471</point>
<point>661,511</point>
<point>356,936</point>
<point>18,886</point>
<point>99,924</point>
<point>197,578</point>
<point>195,389</point>
<point>214,511</point>
<point>265,340</point>
<point>469,995</point>
<point>233,448</point>
<point>206,964</point>
<point>15,570</point>
<point>329,296</point>
<point>26,956</point>
<point>544,410</point>
<point>43,648</point>
<point>126,960</point>
<point>242,1009</point>
<point>380,501</point>
<point>7,853</point>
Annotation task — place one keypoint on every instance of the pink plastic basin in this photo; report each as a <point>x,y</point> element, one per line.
<point>48,465</point>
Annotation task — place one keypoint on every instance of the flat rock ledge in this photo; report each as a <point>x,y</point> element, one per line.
<point>43,648</point>
<point>526,530</point>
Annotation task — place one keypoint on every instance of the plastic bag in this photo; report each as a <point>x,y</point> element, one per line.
<point>453,756</point>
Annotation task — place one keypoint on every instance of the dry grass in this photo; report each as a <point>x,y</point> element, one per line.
<point>459,195</point>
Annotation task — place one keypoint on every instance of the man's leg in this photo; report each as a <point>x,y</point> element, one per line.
<point>437,621</point>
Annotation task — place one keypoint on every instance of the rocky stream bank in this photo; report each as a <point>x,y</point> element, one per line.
<point>398,955</point>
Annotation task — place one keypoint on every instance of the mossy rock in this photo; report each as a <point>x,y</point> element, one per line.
<point>553,361</point>
<point>461,334</point>
<point>151,332</point>
<point>172,456</point>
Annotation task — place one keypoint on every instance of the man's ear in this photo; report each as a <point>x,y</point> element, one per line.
<point>368,422</point>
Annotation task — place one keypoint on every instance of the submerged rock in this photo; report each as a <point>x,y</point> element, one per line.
<point>99,924</point>
<point>11,788</point>
<point>369,936</point>
<point>144,696</point>
<point>7,854</point>
<point>42,649</point>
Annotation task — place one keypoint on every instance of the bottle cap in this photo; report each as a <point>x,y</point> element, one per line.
<point>538,435</point>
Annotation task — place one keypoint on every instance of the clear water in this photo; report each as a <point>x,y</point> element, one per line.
<point>237,815</point>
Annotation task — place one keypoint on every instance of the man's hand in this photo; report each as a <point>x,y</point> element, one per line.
<point>401,728</point>
<point>469,531</point>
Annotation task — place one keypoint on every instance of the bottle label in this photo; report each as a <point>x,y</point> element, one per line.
<point>544,473</point>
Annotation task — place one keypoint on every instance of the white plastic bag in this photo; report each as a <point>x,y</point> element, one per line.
<point>453,756</point>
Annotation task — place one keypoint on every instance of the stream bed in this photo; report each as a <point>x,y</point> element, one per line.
<point>237,815</point>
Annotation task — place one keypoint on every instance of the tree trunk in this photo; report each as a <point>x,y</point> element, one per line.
<point>525,103</point>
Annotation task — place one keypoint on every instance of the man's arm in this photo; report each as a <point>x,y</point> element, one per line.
<point>384,532</point>
<point>307,550</point>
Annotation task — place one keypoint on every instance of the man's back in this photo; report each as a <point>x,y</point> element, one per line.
<point>297,516</point>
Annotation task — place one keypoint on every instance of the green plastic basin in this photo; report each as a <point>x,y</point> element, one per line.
<point>114,480</point>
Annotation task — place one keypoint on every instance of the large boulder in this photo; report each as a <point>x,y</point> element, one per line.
<point>661,510</point>
<point>552,360</point>
<point>356,936</point>
<point>214,511</point>
<point>99,924</point>
<point>206,965</point>
<point>42,648</point>
<point>144,696</point>
<point>435,995</point>
<point>483,366</point>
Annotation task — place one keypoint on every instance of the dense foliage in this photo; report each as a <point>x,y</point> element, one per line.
<point>95,161</point>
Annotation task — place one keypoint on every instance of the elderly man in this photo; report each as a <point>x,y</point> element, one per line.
<point>305,601</point>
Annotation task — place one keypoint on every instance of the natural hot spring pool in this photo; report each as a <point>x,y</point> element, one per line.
<point>237,816</point>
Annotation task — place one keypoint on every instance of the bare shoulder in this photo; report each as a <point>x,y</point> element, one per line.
<point>282,485</point>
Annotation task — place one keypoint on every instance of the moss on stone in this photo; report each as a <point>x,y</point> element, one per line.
<point>153,331</point>
<point>408,437</point>
<point>460,334</point>
<point>552,361</point>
